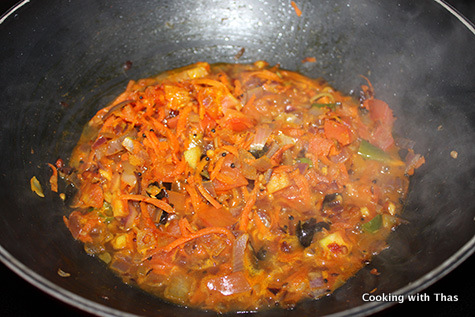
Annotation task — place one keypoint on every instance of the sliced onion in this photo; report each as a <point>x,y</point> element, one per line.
<point>179,287</point>
<point>99,142</point>
<point>236,210</point>
<point>113,147</point>
<point>341,157</point>
<point>209,186</point>
<point>121,264</point>
<point>133,212</point>
<point>128,144</point>
<point>273,149</point>
<point>262,134</point>
<point>128,175</point>
<point>285,139</point>
<point>239,247</point>
<point>413,161</point>
<point>404,143</point>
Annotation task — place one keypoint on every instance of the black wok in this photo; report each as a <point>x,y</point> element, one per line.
<point>63,60</point>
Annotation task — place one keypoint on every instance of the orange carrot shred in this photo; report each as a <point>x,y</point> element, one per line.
<point>185,227</point>
<point>208,196</point>
<point>54,178</point>
<point>296,8</point>
<point>309,60</point>
<point>248,207</point>
<point>274,154</point>
<point>153,201</point>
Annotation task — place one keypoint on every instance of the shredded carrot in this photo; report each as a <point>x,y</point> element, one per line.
<point>147,219</point>
<point>248,208</point>
<point>238,88</point>
<point>156,202</point>
<point>250,102</point>
<point>303,186</point>
<point>225,178</point>
<point>275,159</point>
<point>217,168</point>
<point>231,149</point>
<point>182,120</point>
<point>309,60</point>
<point>216,182</point>
<point>152,141</point>
<point>54,178</point>
<point>207,195</point>
<point>296,8</point>
<point>195,199</point>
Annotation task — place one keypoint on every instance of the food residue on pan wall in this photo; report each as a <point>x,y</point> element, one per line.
<point>298,12</point>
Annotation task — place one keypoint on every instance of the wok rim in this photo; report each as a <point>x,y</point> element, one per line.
<point>95,308</point>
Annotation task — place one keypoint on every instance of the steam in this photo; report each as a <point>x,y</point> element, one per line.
<point>422,68</point>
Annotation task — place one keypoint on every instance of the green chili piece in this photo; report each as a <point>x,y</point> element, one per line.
<point>374,224</point>
<point>332,106</point>
<point>371,152</point>
<point>305,160</point>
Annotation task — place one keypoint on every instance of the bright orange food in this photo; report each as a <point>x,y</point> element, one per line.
<point>233,187</point>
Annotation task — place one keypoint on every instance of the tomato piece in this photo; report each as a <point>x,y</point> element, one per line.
<point>382,137</point>
<point>236,121</point>
<point>338,131</point>
<point>320,146</point>
<point>214,217</point>
<point>380,111</point>
<point>92,195</point>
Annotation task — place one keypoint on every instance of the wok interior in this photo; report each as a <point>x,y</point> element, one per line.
<point>64,61</point>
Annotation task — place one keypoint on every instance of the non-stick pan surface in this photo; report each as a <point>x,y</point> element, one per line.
<point>62,60</point>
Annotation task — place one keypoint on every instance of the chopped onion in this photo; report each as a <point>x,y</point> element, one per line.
<point>404,143</point>
<point>413,161</point>
<point>99,142</point>
<point>74,224</point>
<point>209,186</point>
<point>36,186</point>
<point>233,283</point>
<point>121,264</point>
<point>128,144</point>
<point>285,139</point>
<point>315,280</point>
<point>262,134</point>
<point>145,241</point>
<point>273,149</point>
<point>239,247</point>
<point>177,200</point>
<point>133,212</point>
<point>248,171</point>
<point>179,286</point>
<point>192,156</point>
<point>128,175</point>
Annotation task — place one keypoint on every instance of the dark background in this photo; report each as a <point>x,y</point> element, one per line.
<point>19,298</point>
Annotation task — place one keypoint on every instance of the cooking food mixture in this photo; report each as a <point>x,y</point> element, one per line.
<point>232,187</point>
